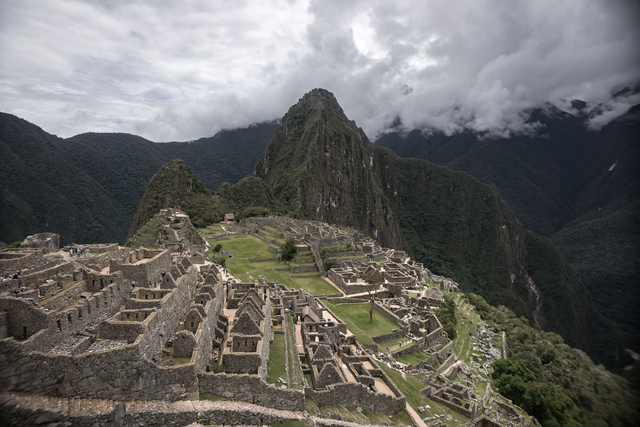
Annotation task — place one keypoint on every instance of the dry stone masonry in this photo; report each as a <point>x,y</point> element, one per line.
<point>138,333</point>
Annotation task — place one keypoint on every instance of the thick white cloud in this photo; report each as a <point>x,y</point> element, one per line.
<point>182,70</point>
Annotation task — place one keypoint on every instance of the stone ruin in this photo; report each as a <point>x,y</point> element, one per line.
<point>78,332</point>
<point>149,324</point>
<point>48,241</point>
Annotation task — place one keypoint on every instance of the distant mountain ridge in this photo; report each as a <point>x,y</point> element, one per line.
<point>87,187</point>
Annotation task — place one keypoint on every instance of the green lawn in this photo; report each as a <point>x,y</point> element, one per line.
<point>356,316</point>
<point>293,360</point>
<point>413,358</point>
<point>244,246</point>
<point>276,367</point>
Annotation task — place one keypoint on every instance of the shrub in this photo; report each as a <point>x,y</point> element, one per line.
<point>328,264</point>
<point>288,251</point>
<point>15,245</point>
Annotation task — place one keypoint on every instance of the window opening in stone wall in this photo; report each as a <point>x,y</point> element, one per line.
<point>69,318</point>
<point>79,313</point>
<point>59,325</point>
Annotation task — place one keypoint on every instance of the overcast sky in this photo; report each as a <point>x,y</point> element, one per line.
<point>180,70</point>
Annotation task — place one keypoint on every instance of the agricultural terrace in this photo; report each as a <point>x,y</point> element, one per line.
<point>245,247</point>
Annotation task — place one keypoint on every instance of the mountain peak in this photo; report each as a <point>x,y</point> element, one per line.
<point>321,166</point>
<point>174,185</point>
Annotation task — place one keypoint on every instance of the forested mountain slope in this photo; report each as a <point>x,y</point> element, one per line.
<point>87,188</point>
<point>581,188</point>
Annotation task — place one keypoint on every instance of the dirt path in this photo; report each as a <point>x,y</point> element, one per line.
<point>415,417</point>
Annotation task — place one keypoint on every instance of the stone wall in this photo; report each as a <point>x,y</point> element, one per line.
<point>303,268</point>
<point>248,363</point>
<point>44,330</point>
<point>37,278</point>
<point>447,363</point>
<point>117,374</point>
<point>409,350</point>
<point>250,388</point>
<point>104,257</point>
<point>437,356</point>
<point>172,306</point>
<point>467,408</point>
<point>354,394</point>
<point>390,336</point>
<point>152,414</point>
<point>149,271</point>
<point>14,260</point>
<point>389,315</point>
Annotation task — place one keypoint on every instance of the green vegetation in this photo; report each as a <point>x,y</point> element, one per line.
<point>246,246</point>
<point>410,387</point>
<point>587,207</point>
<point>15,245</point>
<point>557,384</point>
<point>447,317</point>
<point>175,185</point>
<point>288,251</point>
<point>276,369</point>
<point>414,358</point>
<point>98,179</point>
<point>293,360</point>
<point>212,396</point>
<point>356,316</point>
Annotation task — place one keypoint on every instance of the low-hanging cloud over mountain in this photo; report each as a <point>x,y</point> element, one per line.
<point>183,70</point>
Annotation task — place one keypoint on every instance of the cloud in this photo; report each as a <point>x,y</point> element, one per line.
<point>183,70</point>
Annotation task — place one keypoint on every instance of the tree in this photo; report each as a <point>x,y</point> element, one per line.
<point>217,248</point>
<point>370,290</point>
<point>288,251</point>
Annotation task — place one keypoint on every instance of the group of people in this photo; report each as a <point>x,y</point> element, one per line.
<point>11,276</point>
<point>78,251</point>
<point>22,288</point>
